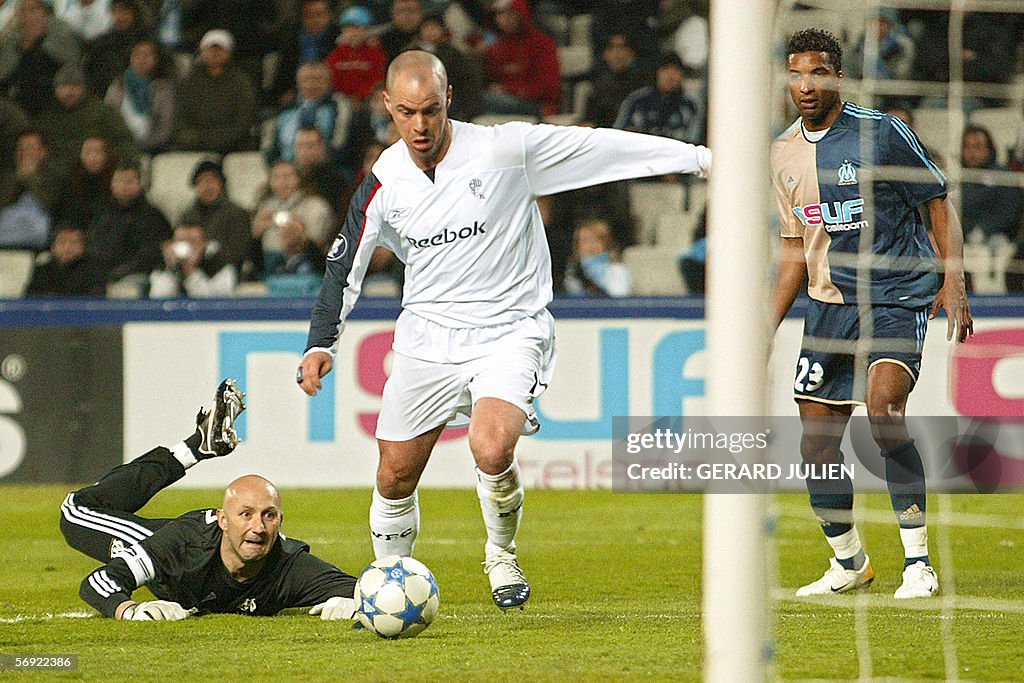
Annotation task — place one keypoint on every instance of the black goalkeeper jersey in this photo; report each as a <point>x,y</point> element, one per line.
<point>181,562</point>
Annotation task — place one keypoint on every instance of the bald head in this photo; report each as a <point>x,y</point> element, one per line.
<point>250,489</point>
<point>250,519</point>
<point>419,66</point>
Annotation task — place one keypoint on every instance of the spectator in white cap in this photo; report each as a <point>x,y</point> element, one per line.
<point>217,101</point>
<point>254,26</point>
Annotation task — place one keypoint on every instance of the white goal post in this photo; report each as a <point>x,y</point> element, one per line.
<point>736,597</point>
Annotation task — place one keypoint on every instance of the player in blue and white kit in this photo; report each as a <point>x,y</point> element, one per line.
<point>855,188</point>
<point>456,203</point>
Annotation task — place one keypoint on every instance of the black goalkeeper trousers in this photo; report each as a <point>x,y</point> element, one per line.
<point>101,518</point>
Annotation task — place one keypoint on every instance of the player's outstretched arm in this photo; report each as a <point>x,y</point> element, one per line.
<point>952,297</point>
<point>312,369</point>
<point>109,590</point>
<point>792,273</point>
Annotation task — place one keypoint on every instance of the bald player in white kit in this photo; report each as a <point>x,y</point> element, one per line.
<point>456,203</point>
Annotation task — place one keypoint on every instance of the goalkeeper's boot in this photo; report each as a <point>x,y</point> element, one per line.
<point>215,426</point>
<point>509,587</point>
<point>838,579</point>
<point>919,581</point>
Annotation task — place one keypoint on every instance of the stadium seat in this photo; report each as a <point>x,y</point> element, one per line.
<point>170,181</point>
<point>1002,257</point>
<point>498,119</point>
<point>183,64</point>
<point>246,173</point>
<point>580,92</point>
<point>575,60</point>
<point>557,26</point>
<point>269,69</point>
<point>569,119</point>
<point>654,270</point>
<point>932,127</point>
<point>1006,124</point>
<point>251,289</point>
<point>675,230</point>
<point>649,202</point>
<point>579,29</point>
<point>15,272</point>
<point>835,21</point>
<point>987,265</point>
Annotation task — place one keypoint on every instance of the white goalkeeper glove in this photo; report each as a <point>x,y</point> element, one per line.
<point>335,608</point>
<point>156,610</point>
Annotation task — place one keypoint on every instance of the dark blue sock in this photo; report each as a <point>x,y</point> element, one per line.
<point>832,502</point>
<point>904,475</point>
<point>914,560</point>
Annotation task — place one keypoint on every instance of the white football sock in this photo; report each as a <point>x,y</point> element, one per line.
<point>394,524</point>
<point>501,501</point>
<point>915,541</point>
<point>183,454</point>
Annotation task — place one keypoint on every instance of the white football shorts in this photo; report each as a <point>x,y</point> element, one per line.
<point>438,373</point>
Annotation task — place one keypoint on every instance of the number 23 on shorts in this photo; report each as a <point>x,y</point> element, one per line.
<point>808,376</point>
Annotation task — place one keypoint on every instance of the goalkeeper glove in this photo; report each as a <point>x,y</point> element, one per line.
<point>155,610</point>
<point>335,608</point>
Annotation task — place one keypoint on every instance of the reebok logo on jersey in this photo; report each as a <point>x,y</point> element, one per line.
<point>395,214</point>
<point>447,236</point>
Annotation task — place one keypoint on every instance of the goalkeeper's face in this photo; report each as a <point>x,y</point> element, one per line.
<point>814,86</point>
<point>250,519</point>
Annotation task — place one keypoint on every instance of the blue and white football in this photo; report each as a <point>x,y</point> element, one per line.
<point>396,597</point>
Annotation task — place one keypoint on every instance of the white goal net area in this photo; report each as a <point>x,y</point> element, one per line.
<point>953,72</point>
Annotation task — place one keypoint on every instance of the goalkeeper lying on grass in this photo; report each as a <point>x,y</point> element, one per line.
<point>231,560</point>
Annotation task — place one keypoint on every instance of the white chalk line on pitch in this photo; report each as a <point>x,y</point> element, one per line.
<point>964,519</point>
<point>960,602</point>
<point>47,617</point>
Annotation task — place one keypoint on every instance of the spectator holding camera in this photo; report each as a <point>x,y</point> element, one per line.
<point>284,197</point>
<point>297,267</point>
<point>194,266</point>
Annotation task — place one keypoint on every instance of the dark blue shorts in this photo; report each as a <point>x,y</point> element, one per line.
<point>834,359</point>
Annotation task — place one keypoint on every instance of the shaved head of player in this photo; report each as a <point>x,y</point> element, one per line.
<point>417,96</point>
<point>250,518</point>
<point>815,76</point>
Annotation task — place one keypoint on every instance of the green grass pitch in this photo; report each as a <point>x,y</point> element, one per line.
<point>617,595</point>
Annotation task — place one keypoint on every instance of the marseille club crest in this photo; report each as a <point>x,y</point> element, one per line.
<point>847,174</point>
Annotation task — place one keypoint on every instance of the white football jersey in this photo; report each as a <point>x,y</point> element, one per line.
<point>471,238</point>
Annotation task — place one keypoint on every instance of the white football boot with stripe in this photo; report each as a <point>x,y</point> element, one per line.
<point>838,579</point>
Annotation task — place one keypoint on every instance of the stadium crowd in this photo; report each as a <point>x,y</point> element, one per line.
<point>99,97</point>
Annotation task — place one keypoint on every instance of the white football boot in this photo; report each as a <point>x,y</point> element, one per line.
<point>919,581</point>
<point>840,580</point>
<point>509,587</point>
